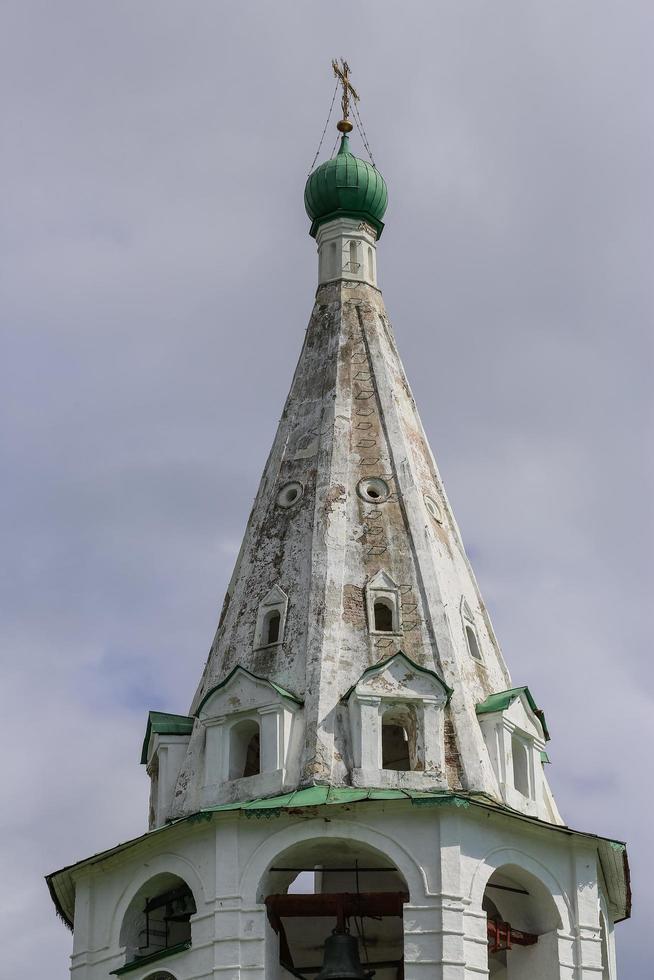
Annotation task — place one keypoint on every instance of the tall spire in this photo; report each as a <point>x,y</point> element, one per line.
<point>352,556</point>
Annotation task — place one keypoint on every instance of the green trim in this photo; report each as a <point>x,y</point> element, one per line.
<point>384,663</point>
<point>162,723</point>
<point>544,758</point>
<point>162,954</point>
<point>502,699</point>
<point>62,883</point>
<point>280,690</point>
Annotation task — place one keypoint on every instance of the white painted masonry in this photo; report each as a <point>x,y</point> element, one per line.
<point>445,855</point>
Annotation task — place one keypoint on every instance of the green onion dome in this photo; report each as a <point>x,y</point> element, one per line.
<point>345,187</point>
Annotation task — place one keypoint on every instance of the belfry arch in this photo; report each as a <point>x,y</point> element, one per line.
<point>522,924</point>
<point>326,884</point>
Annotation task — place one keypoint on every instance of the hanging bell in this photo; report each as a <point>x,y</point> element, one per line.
<point>342,959</point>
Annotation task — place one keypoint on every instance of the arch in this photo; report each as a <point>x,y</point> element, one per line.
<point>158,917</point>
<point>503,857</point>
<point>269,850</point>
<point>383,613</point>
<point>162,863</point>
<point>326,867</point>
<point>332,268</point>
<point>371,264</point>
<point>244,749</point>
<point>271,627</point>
<point>470,631</point>
<point>520,755</point>
<point>398,738</point>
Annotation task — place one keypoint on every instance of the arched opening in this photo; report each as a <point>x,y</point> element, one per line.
<point>333,265</point>
<point>473,646</point>
<point>354,264</point>
<point>244,749</point>
<point>398,738</point>
<point>271,627</point>
<point>522,923</point>
<point>520,755</point>
<point>383,613</point>
<point>158,919</point>
<point>371,265</point>
<point>325,884</point>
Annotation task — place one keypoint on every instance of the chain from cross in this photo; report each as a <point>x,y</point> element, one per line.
<point>342,73</point>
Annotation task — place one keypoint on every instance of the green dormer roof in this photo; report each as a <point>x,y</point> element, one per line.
<point>162,723</point>
<point>502,700</point>
<point>346,187</point>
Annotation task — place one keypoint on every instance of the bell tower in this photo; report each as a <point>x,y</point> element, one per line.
<point>357,784</point>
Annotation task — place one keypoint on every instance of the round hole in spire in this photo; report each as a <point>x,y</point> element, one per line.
<point>373,490</point>
<point>434,509</point>
<point>289,494</point>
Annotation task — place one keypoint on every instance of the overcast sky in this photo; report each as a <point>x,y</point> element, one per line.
<point>156,278</point>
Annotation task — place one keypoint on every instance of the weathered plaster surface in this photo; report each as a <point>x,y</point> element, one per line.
<point>349,416</point>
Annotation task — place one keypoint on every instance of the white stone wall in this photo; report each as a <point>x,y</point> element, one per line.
<point>445,855</point>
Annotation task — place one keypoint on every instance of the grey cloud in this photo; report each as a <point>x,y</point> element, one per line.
<point>156,277</point>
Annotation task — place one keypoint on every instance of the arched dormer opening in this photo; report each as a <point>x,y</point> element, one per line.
<point>398,739</point>
<point>520,754</point>
<point>244,749</point>
<point>271,626</point>
<point>158,919</point>
<point>470,630</point>
<point>383,616</point>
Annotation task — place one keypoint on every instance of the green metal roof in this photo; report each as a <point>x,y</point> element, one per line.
<point>280,690</point>
<point>346,187</point>
<point>502,699</point>
<point>414,666</point>
<point>612,853</point>
<point>161,723</point>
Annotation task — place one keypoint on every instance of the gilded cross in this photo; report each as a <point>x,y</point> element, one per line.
<point>342,73</point>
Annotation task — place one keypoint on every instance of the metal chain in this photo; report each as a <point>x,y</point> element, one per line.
<point>325,129</point>
<point>362,133</point>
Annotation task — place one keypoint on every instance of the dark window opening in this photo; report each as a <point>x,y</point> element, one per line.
<point>473,646</point>
<point>395,748</point>
<point>253,757</point>
<point>273,624</point>
<point>383,616</point>
<point>373,493</point>
<point>244,750</point>
<point>167,921</point>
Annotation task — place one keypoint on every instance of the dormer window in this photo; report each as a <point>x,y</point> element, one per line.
<point>515,733</point>
<point>397,722</point>
<point>252,731</point>
<point>271,619</point>
<point>470,632</point>
<point>383,604</point>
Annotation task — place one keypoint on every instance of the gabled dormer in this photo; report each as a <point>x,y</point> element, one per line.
<point>383,605</point>
<point>252,736</point>
<point>515,733</point>
<point>396,711</point>
<point>164,747</point>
